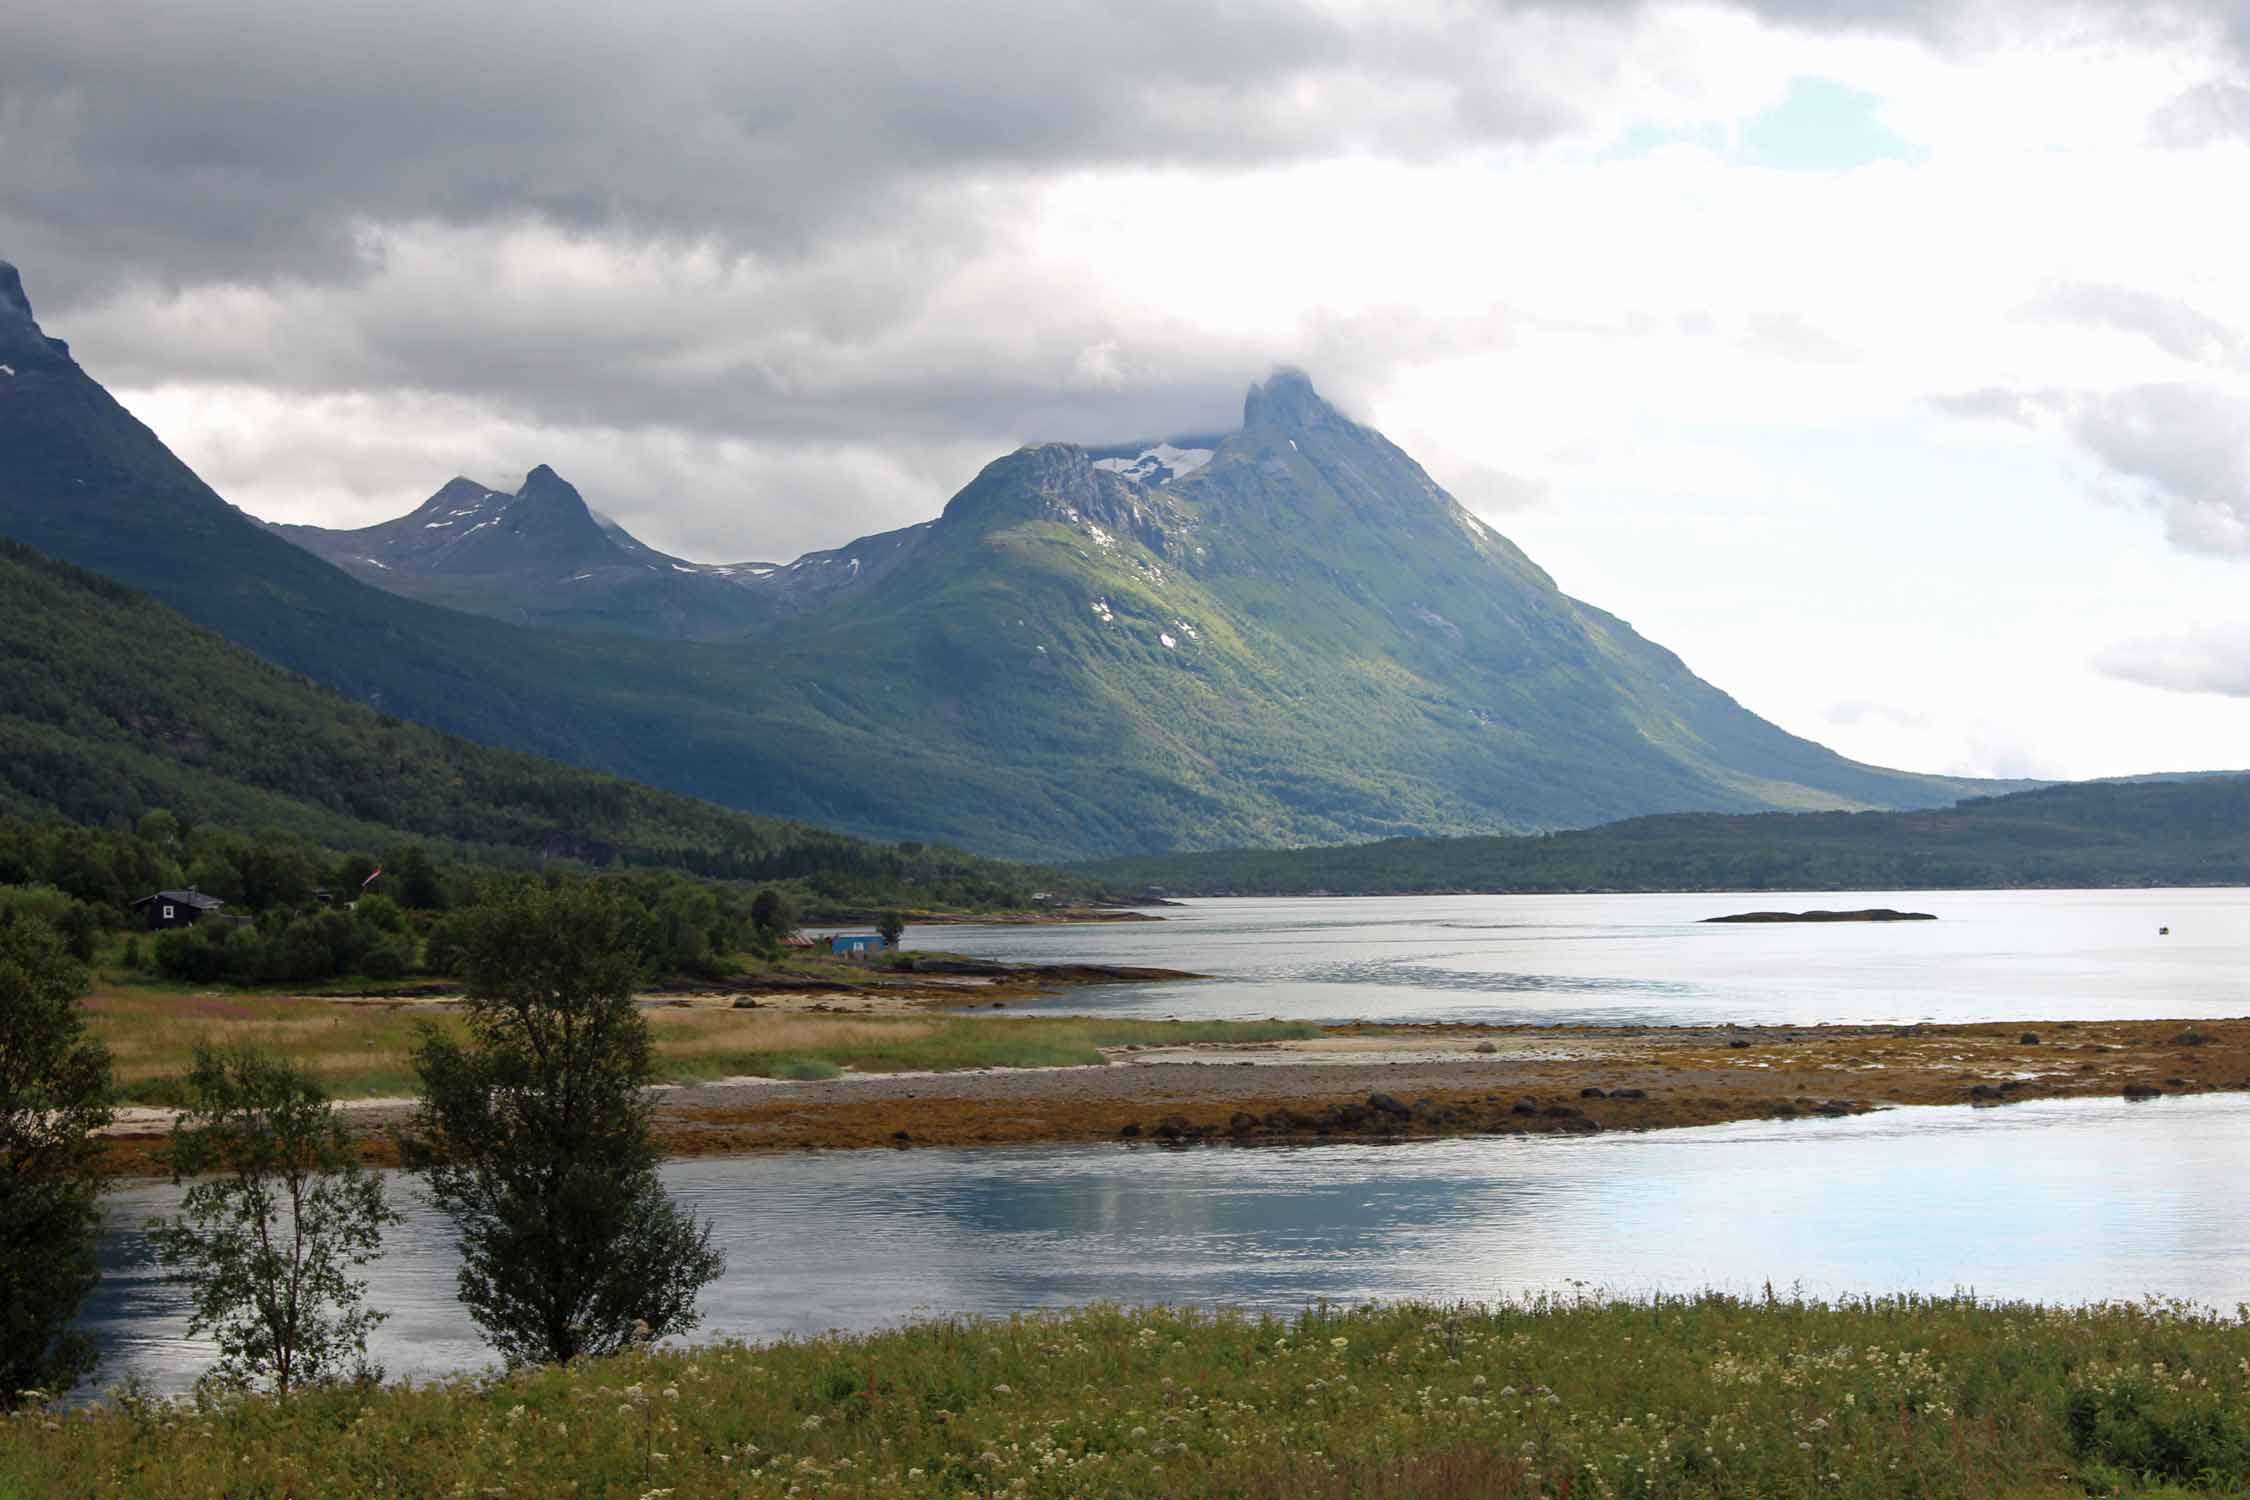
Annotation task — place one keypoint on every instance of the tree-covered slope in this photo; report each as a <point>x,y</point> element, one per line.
<point>112,705</point>
<point>2189,831</point>
<point>1291,635</point>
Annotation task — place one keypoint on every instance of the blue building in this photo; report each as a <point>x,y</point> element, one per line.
<point>855,944</point>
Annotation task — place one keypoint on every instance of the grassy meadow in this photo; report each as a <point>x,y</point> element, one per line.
<point>362,1050</point>
<point>1703,1397</point>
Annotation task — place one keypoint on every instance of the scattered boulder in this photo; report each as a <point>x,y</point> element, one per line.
<point>1383,1103</point>
<point>2142,1091</point>
<point>1172,1128</point>
<point>1628,1093</point>
<point>1131,1130</point>
<point>1486,1048</point>
<point>2028,1039</point>
<point>2191,1038</point>
<point>745,1003</point>
<point>1593,1093</point>
<point>1524,1107</point>
<point>1984,1091</point>
<point>1351,1116</point>
<point>1739,1045</point>
<point>1241,1122</point>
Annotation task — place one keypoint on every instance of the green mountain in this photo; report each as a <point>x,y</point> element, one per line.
<point>1283,634</point>
<point>2191,830</point>
<point>112,705</point>
<point>540,556</point>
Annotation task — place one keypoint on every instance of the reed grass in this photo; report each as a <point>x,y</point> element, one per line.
<point>1664,1399</point>
<point>364,1049</point>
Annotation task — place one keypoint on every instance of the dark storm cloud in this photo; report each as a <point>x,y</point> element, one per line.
<point>248,139</point>
<point>253,138</point>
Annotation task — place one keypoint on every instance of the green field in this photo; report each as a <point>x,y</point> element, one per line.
<point>1709,1397</point>
<point>362,1050</point>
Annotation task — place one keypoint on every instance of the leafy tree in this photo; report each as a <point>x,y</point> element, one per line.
<point>772,913</point>
<point>379,914</point>
<point>892,926</point>
<point>351,874</point>
<point>268,1244</point>
<point>413,878</point>
<point>54,1094</point>
<point>535,1137</point>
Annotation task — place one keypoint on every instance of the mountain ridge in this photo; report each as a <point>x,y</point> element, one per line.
<point>542,556</point>
<point>1294,635</point>
<point>2181,829</point>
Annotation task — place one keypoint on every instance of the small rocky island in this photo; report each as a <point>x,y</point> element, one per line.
<point>1873,914</point>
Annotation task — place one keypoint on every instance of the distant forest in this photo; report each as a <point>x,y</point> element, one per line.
<point>113,708</point>
<point>2192,831</point>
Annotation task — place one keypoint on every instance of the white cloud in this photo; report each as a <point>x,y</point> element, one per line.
<point>2211,661</point>
<point>757,286</point>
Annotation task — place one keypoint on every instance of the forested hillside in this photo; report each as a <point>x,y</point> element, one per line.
<point>2193,831</point>
<point>112,706</point>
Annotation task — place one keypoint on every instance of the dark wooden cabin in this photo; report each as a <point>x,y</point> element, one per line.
<point>176,909</point>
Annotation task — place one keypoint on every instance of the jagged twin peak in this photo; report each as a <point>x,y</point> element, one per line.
<point>541,555</point>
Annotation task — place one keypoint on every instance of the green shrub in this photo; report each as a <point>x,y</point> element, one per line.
<point>389,960</point>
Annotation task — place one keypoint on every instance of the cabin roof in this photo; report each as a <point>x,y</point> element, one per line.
<point>195,899</point>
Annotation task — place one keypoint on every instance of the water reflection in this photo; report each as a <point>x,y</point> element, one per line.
<point>1992,955</point>
<point>2054,1201</point>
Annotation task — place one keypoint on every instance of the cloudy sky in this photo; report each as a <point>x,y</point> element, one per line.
<point>1889,359</point>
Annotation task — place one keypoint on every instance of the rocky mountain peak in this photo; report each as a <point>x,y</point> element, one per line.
<point>1287,401</point>
<point>15,307</point>
<point>544,485</point>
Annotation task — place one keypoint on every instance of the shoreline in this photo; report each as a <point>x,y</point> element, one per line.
<point>1439,1080</point>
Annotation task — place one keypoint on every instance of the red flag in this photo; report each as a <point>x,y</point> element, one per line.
<point>370,880</point>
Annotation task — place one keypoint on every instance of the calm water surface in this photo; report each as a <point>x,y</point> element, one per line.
<point>1992,955</point>
<point>2057,1200</point>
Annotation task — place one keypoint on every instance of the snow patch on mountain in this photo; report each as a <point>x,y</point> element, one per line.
<point>1158,465</point>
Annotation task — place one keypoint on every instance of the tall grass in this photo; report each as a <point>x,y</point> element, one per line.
<point>699,1045</point>
<point>363,1050</point>
<point>1699,1397</point>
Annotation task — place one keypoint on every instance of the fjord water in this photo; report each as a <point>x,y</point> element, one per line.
<point>2054,1200</point>
<point>1619,959</point>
